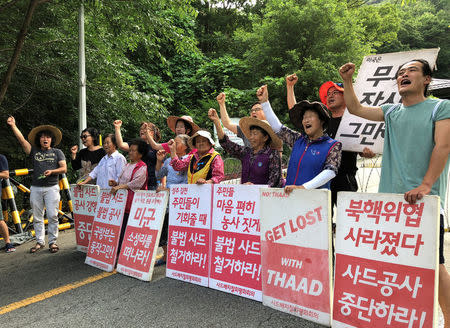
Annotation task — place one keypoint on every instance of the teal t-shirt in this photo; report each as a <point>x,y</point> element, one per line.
<point>408,143</point>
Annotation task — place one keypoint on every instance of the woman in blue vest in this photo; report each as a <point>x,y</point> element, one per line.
<point>261,162</point>
<point>315,157</point>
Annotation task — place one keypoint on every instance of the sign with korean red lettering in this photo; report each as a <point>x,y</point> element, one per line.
<point>102,251</point>
<point>84,201</point>
<point>236,243</point>
<point>376,85</point>
<point>296,252</point>
<point>189,233</point>
<point>141,239</point>
<point>386,261</point>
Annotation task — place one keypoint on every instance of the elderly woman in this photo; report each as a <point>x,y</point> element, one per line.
<point>261,162</point>
<point>110,167</point>
<point>149,155</point>
<point>315,157</point>
<point>204,165</point>
<point>87,158</point>
<point>48,163</point>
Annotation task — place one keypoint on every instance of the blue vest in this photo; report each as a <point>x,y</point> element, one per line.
<point>308,159</point>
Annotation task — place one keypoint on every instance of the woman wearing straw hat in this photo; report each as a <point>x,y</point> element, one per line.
<point>48,163</point>
<point>204,165</point>
<point>179,125</point>
<point>261,162</point>
<point>315,157</point>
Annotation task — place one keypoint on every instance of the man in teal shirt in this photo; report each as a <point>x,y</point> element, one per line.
<point>416,145</point>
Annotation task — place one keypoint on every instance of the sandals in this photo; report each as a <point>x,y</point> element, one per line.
<point>53,248</point>
<point>36,248</point>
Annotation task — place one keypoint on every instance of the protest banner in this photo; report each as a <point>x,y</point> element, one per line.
<point>141,239</point>
<point>189,233</point>
<point>296,252</point>
<point>84,200</point>
<point>102,251</point>
<point>376,85</point>
<point>236,244</point>
<point>386,261</point>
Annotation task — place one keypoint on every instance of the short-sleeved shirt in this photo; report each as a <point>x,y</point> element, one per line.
<point>86,160</point>
<point>3,167</point>
<point>241,135</point>
<point>408,144</point>
<point>173,177</point>
<point>44,160</point>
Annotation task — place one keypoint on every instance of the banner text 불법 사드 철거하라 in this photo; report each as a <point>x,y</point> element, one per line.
<point>102,250</point>
<point>236,245</point>
<point>376,85</point>
<point>386,261</point>
<point>84,200</point>
<point>188,242</point>
<point>141,238</point>
<point>296,252</point>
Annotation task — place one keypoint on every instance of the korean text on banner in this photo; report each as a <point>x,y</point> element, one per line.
<point>296,252</point>
<point>236,244</point>
<point>386,261</point>
<point>375,86</point>
<point>141,239</point>
<point>84,199</point>
<point>189,233</point>
<point>102,251</point>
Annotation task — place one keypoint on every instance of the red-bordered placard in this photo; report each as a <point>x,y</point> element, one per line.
<point>386,261</point>
<point>141,239</point>
<point>84,201</point>
<point>102,251</point>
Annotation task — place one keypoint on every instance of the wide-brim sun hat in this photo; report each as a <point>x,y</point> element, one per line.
<point>202,133</point>
<point>296,113</point>
<point>246,123</point>
<point>172,122</point>
<point>56,132</point>
<point>323,90</point>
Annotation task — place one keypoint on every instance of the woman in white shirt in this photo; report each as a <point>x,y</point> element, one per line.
<point>111,165</point>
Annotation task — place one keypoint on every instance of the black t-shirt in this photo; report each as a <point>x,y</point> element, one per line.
<point>87,160</point>
<point>3,167</point>
<point>150,159</point>
<point>44,160</point>
<point>348,161</point>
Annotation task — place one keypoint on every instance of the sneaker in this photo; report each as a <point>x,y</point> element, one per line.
<point>9,248</point>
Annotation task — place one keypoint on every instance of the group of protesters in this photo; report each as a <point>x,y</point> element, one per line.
<point>415,155</point>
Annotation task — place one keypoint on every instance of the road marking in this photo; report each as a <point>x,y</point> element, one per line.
<point>53,292</point>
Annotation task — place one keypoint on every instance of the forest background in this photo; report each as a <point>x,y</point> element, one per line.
<point>148,59</point>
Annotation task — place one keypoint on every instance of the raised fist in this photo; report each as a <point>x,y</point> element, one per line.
<point>347,70</point>
<point>221,98</point>
<point>117,123</point>
<point>291,80</point>
<point>262,94</point>
<point>212,114</point>
<point>11,121</point>
<point>74,149</point>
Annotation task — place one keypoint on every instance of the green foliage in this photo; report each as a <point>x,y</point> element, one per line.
<point>424,24</point>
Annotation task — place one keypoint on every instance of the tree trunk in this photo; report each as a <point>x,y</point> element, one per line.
<point>18,48</point>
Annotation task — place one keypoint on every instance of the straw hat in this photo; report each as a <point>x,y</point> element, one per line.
<point>296,113</point>
<point>202,133</point>
<point>56,132</point>
<point>172,121</point>
<point>246,122</point>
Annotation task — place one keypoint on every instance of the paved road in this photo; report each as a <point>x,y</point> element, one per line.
<point>115,300</point>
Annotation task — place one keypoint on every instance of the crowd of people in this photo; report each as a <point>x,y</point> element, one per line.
<point>316,160</point>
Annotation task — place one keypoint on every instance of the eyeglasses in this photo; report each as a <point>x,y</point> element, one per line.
<point>257,109</point>
<point>334,93</point>
<point>84,136</point>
